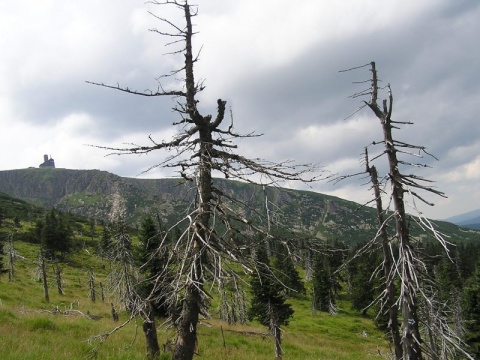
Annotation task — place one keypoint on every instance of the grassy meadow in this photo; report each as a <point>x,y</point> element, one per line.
<point>31,328</point>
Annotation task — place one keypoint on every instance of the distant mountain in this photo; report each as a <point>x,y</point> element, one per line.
<point>470,220</point>
<point>90,193</point>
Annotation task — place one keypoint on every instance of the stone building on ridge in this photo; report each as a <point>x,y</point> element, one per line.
<point>47,163</point>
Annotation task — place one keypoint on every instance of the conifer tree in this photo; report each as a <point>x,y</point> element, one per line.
<point>447,280</point>
<point>55,236</point>
<point>287,273</point>
<point>471,312</point>
<point>268,304</point>
<point>154,266</point>
<point>362,292</point>
<point>106,242</point>
<point>92,229</point>
<point>323,285</point>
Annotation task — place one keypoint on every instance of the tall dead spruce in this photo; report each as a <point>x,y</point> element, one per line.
<point>204,145</point>
<point>405,270</point>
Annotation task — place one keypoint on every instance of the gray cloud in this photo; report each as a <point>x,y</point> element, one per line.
<point>276,66</point>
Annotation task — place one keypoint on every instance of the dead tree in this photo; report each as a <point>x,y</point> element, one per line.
<point>232,308</point>
<point>113,312</point>
<point>150,331</point>
<point>91,285</point>
<point>124,278</point>
<point>408,266</point>
<point>11,253</point>
<point>276,331</point>
<point>42,268</point>
<point>202,147</point>
<point>102,293</point>
<point>388,268</point>
<point>411,333</point>
<point>11,257</point>
<point>58,277</point>
<point>123,275</point>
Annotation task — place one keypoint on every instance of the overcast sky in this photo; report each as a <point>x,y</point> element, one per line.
<point>275,62</point>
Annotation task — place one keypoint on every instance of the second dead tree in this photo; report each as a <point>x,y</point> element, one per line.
<point>42,269</point>
<point>407,266</point>
<point>388,268</point>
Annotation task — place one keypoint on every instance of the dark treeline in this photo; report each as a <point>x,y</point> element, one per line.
<point>453,276</point>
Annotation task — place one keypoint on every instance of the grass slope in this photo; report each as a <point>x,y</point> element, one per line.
<point>30,329</point>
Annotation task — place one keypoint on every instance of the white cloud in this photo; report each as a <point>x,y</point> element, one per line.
<point>464,172</point>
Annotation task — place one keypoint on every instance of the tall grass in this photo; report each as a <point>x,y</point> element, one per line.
<point>31,329</point>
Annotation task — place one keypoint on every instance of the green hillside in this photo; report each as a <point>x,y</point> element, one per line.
<point>90,193</point>
<point>31,328</point>
<point>70,325</point>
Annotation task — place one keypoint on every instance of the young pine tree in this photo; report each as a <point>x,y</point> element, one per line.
<point>154,266</point>
<point>55,235</point>
<point>268,299</point>
<point>287,273</point>
<point>323,284</point>
<point>363,286</point>
<point>106,242</point>
<point>471,312</point>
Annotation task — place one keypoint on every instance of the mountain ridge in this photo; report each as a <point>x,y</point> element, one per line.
<point>91,193</point>
<point>470,219</point>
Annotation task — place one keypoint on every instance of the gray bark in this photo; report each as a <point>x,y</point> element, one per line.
<point>43,270</point>
<point>387,263</point>
<point>411,334</point>
<point>151,339</point>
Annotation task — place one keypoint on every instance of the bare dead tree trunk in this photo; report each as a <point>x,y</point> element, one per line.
<point>187,325</point>
<point>11,258</point>
<point>314,303</point>
<point>113,312</point>
<point>431,337</point>
<point>11,267</point>
<point>387,263</point>
<point>411,333</point>
<point>150,331</point>
<point>91,286</point>
<point>102,293</point>
<point>276,332</point>
<point>43,269</point>
<point>192,304</point>
<point>58,278</point>
<point>241,303</point>
<point>408,265</point>
<point>225,310</point>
